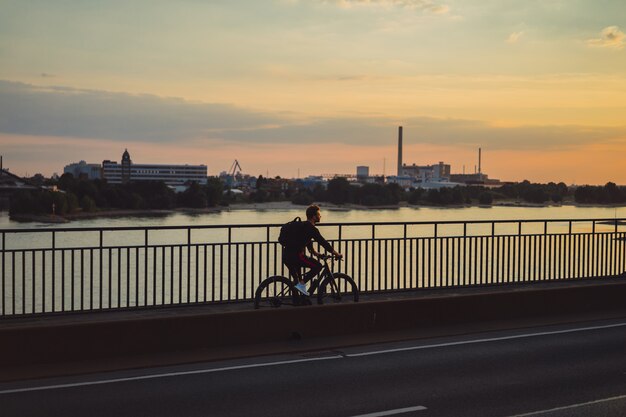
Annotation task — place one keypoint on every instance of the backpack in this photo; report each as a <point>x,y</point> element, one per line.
<point>290,235</point>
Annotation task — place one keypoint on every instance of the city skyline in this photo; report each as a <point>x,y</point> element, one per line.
<point>312,87</point>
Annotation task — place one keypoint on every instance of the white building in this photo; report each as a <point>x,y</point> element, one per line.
<point>362,172</point>
<point>84,170</point>
<point>175,176</point>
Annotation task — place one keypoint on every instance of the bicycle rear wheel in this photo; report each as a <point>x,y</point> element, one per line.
<point>336,289</point>
<point>273,292</point>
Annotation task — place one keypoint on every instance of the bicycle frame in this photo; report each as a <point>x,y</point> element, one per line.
<point>319,278</point>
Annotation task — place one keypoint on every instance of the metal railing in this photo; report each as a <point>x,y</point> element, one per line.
<point>82,269</point>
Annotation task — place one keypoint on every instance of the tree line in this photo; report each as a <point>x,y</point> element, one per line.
<point>340,191</point>
<point>91,195</point>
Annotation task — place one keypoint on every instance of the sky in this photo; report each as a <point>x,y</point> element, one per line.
<point>308,87</point>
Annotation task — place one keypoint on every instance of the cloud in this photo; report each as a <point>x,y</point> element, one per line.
<point>30,110</point>
<point>67,112</point>
<point>422,5</point>
<point>610,37</point>
<point>514,37</point>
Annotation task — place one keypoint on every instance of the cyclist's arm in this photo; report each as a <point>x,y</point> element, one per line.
<point>320,239</point>
<point>312,249</point>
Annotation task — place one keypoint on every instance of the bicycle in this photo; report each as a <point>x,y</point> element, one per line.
<point>330,286</point>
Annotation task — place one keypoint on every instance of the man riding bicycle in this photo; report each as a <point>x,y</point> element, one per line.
<point>294,256</point>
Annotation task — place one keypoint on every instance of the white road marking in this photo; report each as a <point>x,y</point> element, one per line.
<point>487,340</point>
<point>394,412</point>
<point>287,362</point>
<point>165,375</point>
<point>569,407</point>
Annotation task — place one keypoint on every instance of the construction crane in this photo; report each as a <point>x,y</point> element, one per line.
<point>234,167</point>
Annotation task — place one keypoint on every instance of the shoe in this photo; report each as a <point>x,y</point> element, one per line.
<point>302,288</point>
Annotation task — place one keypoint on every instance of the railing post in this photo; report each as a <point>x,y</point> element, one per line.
<point>267,252</point>
<point>374,257</point>
<point>145,270</point>
<point>101,269</point>
<point>339,245</point>
<point>189,261</point>
<point>53,270</point>
<point>569,232</point>
<point>230,265</point>
<point>3,275</point>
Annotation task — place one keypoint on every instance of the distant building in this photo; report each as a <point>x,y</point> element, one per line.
<point>313,181</point>
<point>175,176</point>
<point>426,173</point>
<point>10,184</point>
<point>476,179</point>
<point>362,172</point>
<point>84,170</point>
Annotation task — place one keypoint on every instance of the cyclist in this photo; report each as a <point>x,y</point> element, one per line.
<point>294,256</point>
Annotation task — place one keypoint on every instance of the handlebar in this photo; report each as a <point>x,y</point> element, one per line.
<point>330,257</point>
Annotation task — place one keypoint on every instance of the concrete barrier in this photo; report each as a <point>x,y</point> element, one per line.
<point>51,342</point>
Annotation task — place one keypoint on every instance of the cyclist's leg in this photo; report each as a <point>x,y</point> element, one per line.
<point>315,267</point>
<point>292,262</point>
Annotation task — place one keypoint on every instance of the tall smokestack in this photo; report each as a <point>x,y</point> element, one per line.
<point>399,150</point>
<point>479,158</point>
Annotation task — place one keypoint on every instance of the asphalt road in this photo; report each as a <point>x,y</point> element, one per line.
<point>573,370</point>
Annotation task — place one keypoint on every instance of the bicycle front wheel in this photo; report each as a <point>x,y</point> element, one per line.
<point>336,289</point>
<point>273,292</point>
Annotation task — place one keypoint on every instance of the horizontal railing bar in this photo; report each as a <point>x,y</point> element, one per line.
<point>349,240</point>
<point>610,221</point>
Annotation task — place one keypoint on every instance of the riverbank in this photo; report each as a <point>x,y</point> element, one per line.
<point>277,206</point>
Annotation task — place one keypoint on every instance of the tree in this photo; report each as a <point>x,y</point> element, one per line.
<point>72,202</point>
<point>302,198</point>
<point>338,191</point>
<point>485,198</point>
<point>214,190</point>
<point>24,202</point>
<point>194,197</point>
<point>415,195</point>
<point>87,204</point>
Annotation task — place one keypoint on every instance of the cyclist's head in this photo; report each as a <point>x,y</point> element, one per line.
<point>313,212</point>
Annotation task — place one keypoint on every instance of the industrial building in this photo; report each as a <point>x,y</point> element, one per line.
<point>420,176</point>
<point>436,175</point>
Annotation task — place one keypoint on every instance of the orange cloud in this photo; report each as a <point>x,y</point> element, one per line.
<point>610,37</point>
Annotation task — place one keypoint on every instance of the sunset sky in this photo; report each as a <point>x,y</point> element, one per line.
<point>317,86</point>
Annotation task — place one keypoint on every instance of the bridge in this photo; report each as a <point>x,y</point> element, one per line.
<point>170,295</point>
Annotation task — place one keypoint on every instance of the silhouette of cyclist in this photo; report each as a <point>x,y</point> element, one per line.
<point>294,257</point>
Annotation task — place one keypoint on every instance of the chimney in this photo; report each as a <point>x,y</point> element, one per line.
<point>479,157</point>
<point>399,150</point>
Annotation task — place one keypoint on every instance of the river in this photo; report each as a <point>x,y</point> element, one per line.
<point>281,213</point>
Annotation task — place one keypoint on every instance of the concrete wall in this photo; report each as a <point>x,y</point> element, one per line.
<point>50,342</point>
